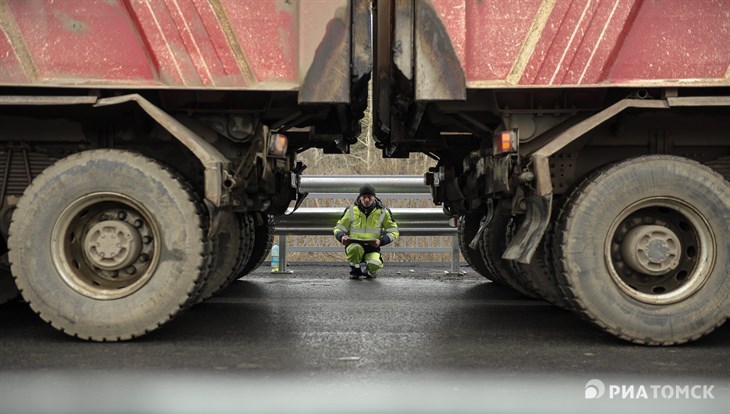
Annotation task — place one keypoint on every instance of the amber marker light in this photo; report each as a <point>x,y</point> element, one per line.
<point>278,145</point>
<point>505,142</point>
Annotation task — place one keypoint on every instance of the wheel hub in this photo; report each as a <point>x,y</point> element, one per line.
<point>651,249</point>
<point>112,245</point>
<point>660,250</point>
<point>105,245</point>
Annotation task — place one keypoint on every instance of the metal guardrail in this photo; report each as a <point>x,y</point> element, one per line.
<point>320,221</point>
<point>411,221</point>
<point>409,187</point>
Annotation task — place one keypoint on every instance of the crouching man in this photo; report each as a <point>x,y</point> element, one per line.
<point>363,228</point>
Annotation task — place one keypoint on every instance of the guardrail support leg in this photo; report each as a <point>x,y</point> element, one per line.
<point>282,255</point>
<point>455,256</point>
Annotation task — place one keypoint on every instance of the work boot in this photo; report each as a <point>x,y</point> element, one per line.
<point>365,271</point>
<point>355,273</point>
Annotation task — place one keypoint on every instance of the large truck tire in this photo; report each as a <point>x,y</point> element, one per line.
<point>108,245</point>
<point>263,240</point>
<point>467,228</point>
<point>643,249</point>
<point>235,243</point>
<point>8,290</point>
<point>492,246</point>
<point>539,274</point>
<point>540,277</point>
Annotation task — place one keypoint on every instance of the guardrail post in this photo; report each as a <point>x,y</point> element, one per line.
<point>455,258</point>
<point>282,255</point>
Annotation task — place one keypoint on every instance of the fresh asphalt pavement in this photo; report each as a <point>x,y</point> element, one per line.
<point>414,327</point>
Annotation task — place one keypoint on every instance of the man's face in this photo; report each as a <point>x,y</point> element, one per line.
<point>367,200</point>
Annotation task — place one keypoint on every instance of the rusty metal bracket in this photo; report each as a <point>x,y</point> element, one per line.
<point>579,129</point>
<point>699,101</point>
<point>540,157</point>
<point>215,164</point>
<point>47,100</point>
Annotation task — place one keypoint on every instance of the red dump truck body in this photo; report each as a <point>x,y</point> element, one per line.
<point>534,54</point>
<point>242,44</point>
<point>255,44</point>
<point>591,42</point>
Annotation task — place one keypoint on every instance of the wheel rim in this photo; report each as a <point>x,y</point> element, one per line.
<point>660,250</point>
<point>105,245</point>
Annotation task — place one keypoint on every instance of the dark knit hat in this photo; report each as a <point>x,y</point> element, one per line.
<point>367,189</point>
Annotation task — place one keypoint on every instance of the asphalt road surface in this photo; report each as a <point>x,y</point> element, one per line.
<point>314,341</point>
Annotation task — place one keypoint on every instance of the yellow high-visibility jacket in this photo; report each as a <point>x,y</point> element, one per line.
<point>379,224</point>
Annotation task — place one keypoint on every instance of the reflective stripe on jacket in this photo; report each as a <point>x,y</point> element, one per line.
<point>379,224</point>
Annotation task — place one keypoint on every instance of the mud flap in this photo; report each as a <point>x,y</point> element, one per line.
<point>296,182</point>
<point>300,199</point>
<point>474,244</point>
<point>524,244</point>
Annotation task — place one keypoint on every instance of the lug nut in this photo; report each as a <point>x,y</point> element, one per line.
<point>147,239</point>
<point>130,270</point>
<point>122,215</point>
<point>138,223</point>
<point>144,258</point>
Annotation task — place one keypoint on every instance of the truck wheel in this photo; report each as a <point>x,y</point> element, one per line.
<point>231,248</point>
<point>263,240</point>
<point>492,246</point>
<point>108,245</point>
<point>8,290</point>
<point>541,278</point>
<point>539,275</point>
<point>643,248</point>
<point>467,228</point>
<point>239,251</point>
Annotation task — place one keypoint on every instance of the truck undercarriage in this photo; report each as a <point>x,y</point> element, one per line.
<point>144,195</point>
